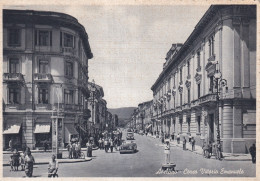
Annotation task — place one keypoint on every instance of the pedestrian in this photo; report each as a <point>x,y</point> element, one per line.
<point>15,160</point>
<point>69,147</point>
<point>219,154</point>
<point>29,161</point>
<point>172,135</point>
<point>193,143</point>
<point>22,157</point>
<point>100,143</point>
<point>111,145</point>
<point>167,152</point>
<point>178,138</point>
<point>89,149</point>
<point>45,144</point>
<point>11,144</point>
<point>53,167</point>
<point>184,143</point>
<point>74,150</point>
<point>252,151</point>
<point>190,138</point>
<point>106,145</point>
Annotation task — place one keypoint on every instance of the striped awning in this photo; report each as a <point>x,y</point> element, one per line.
<point>42,128</point>
<point>12,128</point>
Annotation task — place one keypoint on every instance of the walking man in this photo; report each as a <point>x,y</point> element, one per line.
<point>167,152</point>
<point>178,138</point>
<point>193,143</point>
<point>111,145</point>
<point>252,151</point>
<point>184,143</point>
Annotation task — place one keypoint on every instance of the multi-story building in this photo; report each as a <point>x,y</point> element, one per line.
<point>98,107</point>
<point>144,115</point>
<point>185,93</point>
<point>109,118</point>
<point>45,77</point>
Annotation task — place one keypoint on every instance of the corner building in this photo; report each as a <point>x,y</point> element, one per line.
<point>45,77</point>
<point>185,100</point>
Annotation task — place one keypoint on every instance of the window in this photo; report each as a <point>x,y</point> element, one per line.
<point>43,66</point>
<point>69,69</point>
<point>43,37</point>
<point>198,60</point>
<point>198,90</point>
<point>188,68</point>
<point>180,99</point>
<point>188,95</point>
<point>211,84</point>
<point>43,96</point>
<point>14,95</point>
<point>181,74</point>
<point>14,65</point>
<point>68,40</point>
<point>68,97</point>
<point>14,37</point>
<point>211,46</point>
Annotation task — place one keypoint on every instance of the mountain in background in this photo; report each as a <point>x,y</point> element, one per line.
<point>123,112</point>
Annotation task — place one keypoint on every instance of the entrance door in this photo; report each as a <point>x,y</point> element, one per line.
<point>211,127</point>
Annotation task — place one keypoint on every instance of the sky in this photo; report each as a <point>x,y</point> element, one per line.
<point>129,44</point>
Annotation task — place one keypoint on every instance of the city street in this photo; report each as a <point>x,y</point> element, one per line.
<point>145,163</point>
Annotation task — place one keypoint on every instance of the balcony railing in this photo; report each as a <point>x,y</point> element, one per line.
<point>44,106</point>
<point>186,106</point>
<point>68,107</point>
<point>39,77</point>
<point>13,77</point>
<point>68,50</point>
<point>208,98</point>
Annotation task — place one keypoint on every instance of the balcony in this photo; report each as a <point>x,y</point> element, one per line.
<point>186,106</point>
<point>207,99</point>
<point>13,77</point>
<point>11,107</point>
<point>83,86</point>
<point>67,107</point>
<point>178,109</point>
<point>44,78</point>
<point>68,51</point>
<point>43,106</point>
<point>195,103</point>
<point>212,58</point>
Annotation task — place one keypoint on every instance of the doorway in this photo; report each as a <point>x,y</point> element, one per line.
<point>211,128</point>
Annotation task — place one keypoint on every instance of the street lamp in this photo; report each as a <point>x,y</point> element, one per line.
<point>219,83</point>
<point>93,101</point>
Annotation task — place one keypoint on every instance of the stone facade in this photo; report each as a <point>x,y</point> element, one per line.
<point>185,99</point>
<point>45,77</point>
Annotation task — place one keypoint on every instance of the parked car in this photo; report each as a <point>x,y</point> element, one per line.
<point>141,132</point>
<point>130,136</point>
<point>128,147</point>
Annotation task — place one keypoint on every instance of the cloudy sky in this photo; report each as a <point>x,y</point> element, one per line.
<point>129,44</point>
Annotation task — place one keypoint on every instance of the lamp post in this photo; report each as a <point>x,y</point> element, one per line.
<point>219,83</point>
<point>93,102</point>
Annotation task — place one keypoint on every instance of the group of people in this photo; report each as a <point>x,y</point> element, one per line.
<point>109,143</point>
<point>74,149</point>
<point>24,159</point>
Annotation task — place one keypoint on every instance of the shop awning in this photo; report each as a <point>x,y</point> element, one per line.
<point>13,128</point>
<point>69,131</point>
<point>42,128</point>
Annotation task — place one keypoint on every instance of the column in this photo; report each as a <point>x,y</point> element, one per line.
<point>184,124</point>
<point>227,121</point>
<point>177,124</point>
<point>27,128</point>
<point>204,122</point>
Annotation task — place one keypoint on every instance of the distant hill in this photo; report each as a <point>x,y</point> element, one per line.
<point>123,112</point>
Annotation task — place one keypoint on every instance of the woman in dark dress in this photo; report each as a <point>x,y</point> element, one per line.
<point>16,159</point>
<point>29,161</point>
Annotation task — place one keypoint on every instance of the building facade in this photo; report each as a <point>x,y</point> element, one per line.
<point>45,77</point>
<point>185,93</point>
<point>98,108</point>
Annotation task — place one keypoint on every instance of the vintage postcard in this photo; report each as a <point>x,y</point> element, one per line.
<point>120,90</point>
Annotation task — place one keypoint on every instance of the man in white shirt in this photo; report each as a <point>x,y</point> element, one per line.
<point>53,167</point>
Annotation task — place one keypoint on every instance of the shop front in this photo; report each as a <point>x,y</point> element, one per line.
<point>12,135</point>
<point>70,134</point>
<point>43,136</point>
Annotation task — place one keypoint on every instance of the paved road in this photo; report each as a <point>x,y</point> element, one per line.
<point>145,163</point>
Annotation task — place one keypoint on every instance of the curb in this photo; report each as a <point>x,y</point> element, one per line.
<point>60,161</point>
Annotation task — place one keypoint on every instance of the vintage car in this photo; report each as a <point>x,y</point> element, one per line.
<point>128,147</point>
<point>141,132</point>
<point>130,136</point>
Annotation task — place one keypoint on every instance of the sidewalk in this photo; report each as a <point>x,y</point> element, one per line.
<point>199,151</point>
<point>44,158</point>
